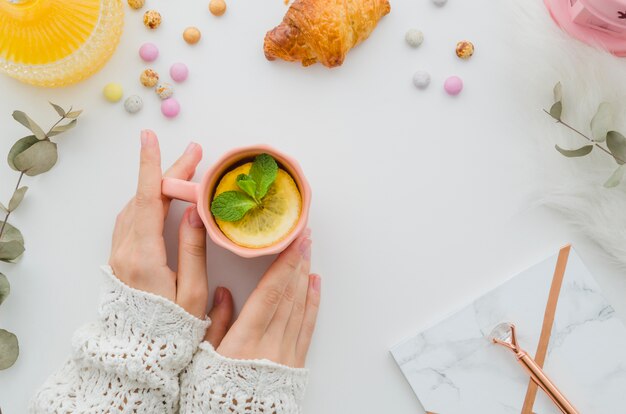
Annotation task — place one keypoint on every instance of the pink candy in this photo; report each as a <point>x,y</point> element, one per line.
<point>453,85</point>
<point>179,72</point>
<point>148,52</point>
<point>170,107</point>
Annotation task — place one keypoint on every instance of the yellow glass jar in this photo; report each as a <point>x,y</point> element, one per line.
<point>57,42</point>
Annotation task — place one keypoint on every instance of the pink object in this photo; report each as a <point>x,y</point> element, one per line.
<point>599,23</point>
<point>179,72</point>
<point>453,85</point>
<point>170,107</point>
<point>201,193</point>
<point>149,52</point>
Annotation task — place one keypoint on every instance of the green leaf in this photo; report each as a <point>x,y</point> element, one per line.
<point>37,159</point>
<point>617,145</point>
<point>615,178</point>
<point>580,152</point>
<point>232,205</point>
<point>57,108</point>
<point>9,349</point>
<point>62,128</point>
<point>558,92</point>
<point>5,288</point>
<point>263,171</point>
<point>556,110</point>
<point>74,114</point>
<point>11,244</point>
<point>20,146</point>
<point>247,184</point>
<point>25,120</point>
<point>17,198</point>
<point>601,122</point>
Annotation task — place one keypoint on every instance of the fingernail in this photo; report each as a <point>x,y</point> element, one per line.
<point>305,248</point>
<point>316,283</point>
<point>191,147</point>
<point>194,219</point>
<point>306,232</point>
<point>146,137</point>
<point>220,292</point>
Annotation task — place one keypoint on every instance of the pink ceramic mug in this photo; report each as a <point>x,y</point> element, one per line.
<point>201,193</point>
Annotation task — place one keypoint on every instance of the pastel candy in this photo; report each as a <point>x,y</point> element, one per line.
<point>113,92</point>
<point>170,107</point>
<point>149,52</point>
<point>453,85</point>
<point>179,72</point>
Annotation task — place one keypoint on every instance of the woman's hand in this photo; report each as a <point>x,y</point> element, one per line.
<point>278,320</point>
<point>138,256</point>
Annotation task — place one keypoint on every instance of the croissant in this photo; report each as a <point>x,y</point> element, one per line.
<point>323,30</point>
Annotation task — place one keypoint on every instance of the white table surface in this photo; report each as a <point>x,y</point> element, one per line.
<point>421,201</point>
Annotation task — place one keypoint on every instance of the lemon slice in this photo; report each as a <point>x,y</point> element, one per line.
<point>271,222</point>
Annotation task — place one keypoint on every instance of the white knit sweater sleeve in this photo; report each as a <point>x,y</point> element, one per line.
<point>214,384</point>
<point>128,361</point>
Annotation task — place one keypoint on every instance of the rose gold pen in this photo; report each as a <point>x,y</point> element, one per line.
<point>504,334</point>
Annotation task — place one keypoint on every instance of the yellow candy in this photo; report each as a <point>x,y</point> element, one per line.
<point>113,92</point>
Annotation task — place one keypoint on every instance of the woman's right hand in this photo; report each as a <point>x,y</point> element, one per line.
<point>278,320</point>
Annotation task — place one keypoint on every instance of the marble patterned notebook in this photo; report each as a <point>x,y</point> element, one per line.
<point>454,369</point>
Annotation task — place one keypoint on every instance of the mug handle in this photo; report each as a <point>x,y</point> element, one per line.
<point>180,189</point>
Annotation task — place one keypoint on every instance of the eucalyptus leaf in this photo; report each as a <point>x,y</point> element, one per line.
<point>617,145</point>
<point>17,198</point>
<point>601,122</point>
<point>9,349</point>
<point>556,110</point>
<point>615,178</point>
<point>74,114</point>
<point>5,288</point>
<point>25,120</point>
<point>11,244</point>
<point>580,152</point>
<point>59,110</point>
<point>558,92</point>
<point>62,128</point>
<point>37,159</point>
<point>20,146</point>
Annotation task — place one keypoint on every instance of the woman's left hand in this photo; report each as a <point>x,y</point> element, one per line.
<point>138,257</point>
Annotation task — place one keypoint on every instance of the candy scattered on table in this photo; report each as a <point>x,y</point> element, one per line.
<point>113,92</point>
<point>149,52</point>
<point>192,35</point>
<point>217,7</point>
<point>453,85</point>
<point>414,37</point>
<point>440,3</point>
<point>152,19</point>
<point>133,104</point>
<point>421,79</point>
<point>464,49</point>
<point>179,72</point>
<point>170,108</point>
<point>149,78</point>
<point>164,90</point>
<point>136,4</point>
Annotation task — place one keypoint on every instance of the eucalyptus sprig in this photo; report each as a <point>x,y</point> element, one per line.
<point>600,127</point>
<point>233,205</point>
<point>32,155</point>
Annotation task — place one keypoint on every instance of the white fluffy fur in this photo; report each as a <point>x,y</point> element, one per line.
<point>589,76</point>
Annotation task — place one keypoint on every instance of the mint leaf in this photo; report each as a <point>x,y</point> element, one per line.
<point>264,171</point>
<point>247,184</point>
<point>231,205</point>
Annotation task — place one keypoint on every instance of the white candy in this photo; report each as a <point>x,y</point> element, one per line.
<point>414,37</point>
<point>421,79</point>
<point>440,2</point>
<point>133,104</point>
